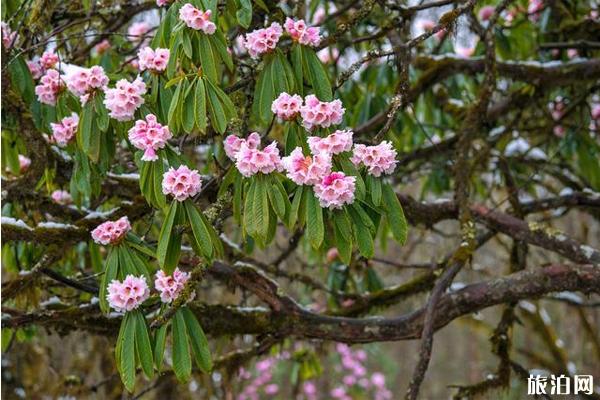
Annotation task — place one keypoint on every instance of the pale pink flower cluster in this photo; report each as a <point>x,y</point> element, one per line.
<point>64,131</point>
<point>286,106</point>
<point>162,3</point>
<point>249,159</point>
<point>534,8</point>
<point>486,12</point>
<point>51,84</point>
<point>153,60</point>
<point>263,40</point>
<point>102,47</point>
<point>49,59</point>
<point>328,55</point>
<point>35,68</point>
<point>557,110</point>
<point>301,33</point>
<point>125,98</point>
<point>24,163</point>
<point>181,183</point>
<point>317,113</point>
<point>170,286</point>
<point>149,136</point>
<point>336,143</point>
<point>129,294</point>
<point>61,197</point>
<point>335,190</point>
<point>380,159</point>
<point>8,36</point>
<point>111,232</point>
<point>464,51</point>
<point>83,82</point>
<point>197,19</point>
<point>306,170</point>
<point>355,376</point>
<point>233,144</point>
<point>263,381</point>
<point>137,31</point>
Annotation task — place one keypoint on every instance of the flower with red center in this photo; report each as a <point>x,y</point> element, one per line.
<point>129,294</point>
<point>306,170</point>
<point>64,131</point>
<point>181,183</point>
<point>301,33</point>
<point>336,143</point>
<point>335,190</point>
<point>170,286</point>
<point>111,232</point>
<point>148,135</point>
<point>50,86</point>
<point>197,19</point>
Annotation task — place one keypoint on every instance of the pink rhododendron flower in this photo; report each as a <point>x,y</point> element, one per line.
<point>380,159</point>
<point>129,294</point>
<point>102,47</point>
<point>307,170</point>
<point>111,232</point>
<point>332,254</point>
<point>596,111</point>
<point>170,286</point>
<point>85,81</point>
<point>534,8</point>
<point>317,113</point>
<point>64,131</point>
<point>335,190</point>
<point>336,143</point>
<point>125,98</point>
<point>328,55</point>
<point>464,52</point>
<point>424,24</point>
<point>378,379</point>
<point>263,40</point>
<point>24,163</point>
<point>272,389</point>
<point>137,31</point>
<point>181,183</point>
<point>149,136</point>
<point>49,59</point>
<point>35,68</point>
<point>197,19</point>
<point>572,53</point>
<point>153,60</point>
<point>162,3</point>
<point>250,161</point>
<point>233,144</point>
<point>486,12</point>
<point>61,197</point>
<point>8,36</point>
<point>49,87</point>
<point>286,106</point>
<point>301,33</point>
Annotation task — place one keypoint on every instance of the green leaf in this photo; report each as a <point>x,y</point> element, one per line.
<point>244,13</point>
<point>263,92</point>
<point>218,116</point>
<point>110,273</point>
<point>182,363</point>
<point>343,223</point>
<point>249,226</point>
<point>208,58</point>
<point>188,118</point>
<point>173,121</point>
<point>260,206</point>
<point>374,185</point>
<point>219,44</point>
<point>297,63</point>
<point>200,106</point>
<point>315,228</point>
<point>102,118</point>
<point>88,140</point>
<point>363,237</point>
<point>295,208</point>
<point>277,201</point>
<point>160,340</point>
<point>316,75</point>
<point>142,344</point>
<point>127,353</point>
<point>187,44</point>
<point>166,240</point>
<point>200,230</point>
<point>21,79</point>
<point>343,244</point>
<point>197,340</point>
<point>395,215</point>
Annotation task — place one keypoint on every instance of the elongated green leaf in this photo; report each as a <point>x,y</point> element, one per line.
<point>375,188</point>
<point>173,120</point>
<point>244,12</point>
<point>394,213</point>
<point>343,245</point>
<point>182,363</point>
<point>197,340</point>
<point>316,75</point>
<point>277,201</point>
<point>226,102</point>
<point>343,223</point>
<point>143,347</point>
<point>200,106</point>
<point>166,236</point>
<point>295,208</point>
<point>110,273</point>
<point>297,65</point>
<point>208,58</point>
<point>160,340</point>
<point>201,235</point>
<point>21,79</point>
<point>127,353</point>
<point>188,117</point>
<point>187,44</point>
<point>218,116</point>
<point>248,216</point>
<point>261,209</point>
<point>102,118</point>
<point>315,228</point>
<point>219,44</point>
<point>363,237</point>
<point>263,92</point>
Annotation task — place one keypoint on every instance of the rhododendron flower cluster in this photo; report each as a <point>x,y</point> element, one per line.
<point>335,190</point>
<point>263,40</point>
<point>61,197</point>
<point>486,12</point>
<point>64,131</point>
<point>317,113</point>
<point>249,159</point>
<point>197,19</point>
<point>301,33</point>
<point>137,31</point>
<point>306,170</point>
<point>129,294</point>
<point>148,135</point>
<point>24,163</point>
<point>125,98</point>
<point>170,286</point>
<point>263,382</point>
<point>286,106</point>
<point>336,143</point>
<point>84,81</point>
<point>380,159</point>
<point>35,68</point>
<point>534,8</point>
<point>102,47</point>
<point>153,60</point>
<point>8,36</point>
<point>49,87</point>
<point>49,59</point>
<point>111,232</point>
<point>181,183</point>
